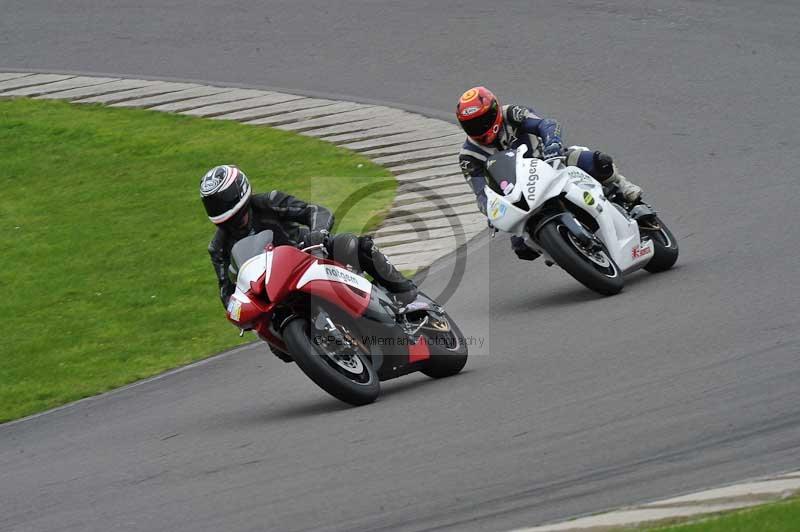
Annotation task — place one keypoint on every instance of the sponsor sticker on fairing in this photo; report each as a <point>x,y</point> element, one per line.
<point>339,274</point>
<point>234,309</point>
<point>497,209</point>
<point>641,250</point>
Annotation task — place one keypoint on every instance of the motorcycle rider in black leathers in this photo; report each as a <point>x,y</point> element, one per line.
<point>237,213</point>
<point>491,127</point>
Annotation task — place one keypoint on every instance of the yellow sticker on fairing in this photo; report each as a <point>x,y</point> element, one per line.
<point>234,309</point>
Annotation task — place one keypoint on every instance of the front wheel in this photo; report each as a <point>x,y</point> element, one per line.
<point>665,245</point>
<point>339,364</point>
<point>594,268</point>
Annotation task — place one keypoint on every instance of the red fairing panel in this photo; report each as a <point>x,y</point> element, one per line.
<point>289,270</point>
<point>264,332</point>
<point>418,351</point>
<point>341,295</point>
<point>285,265</point>
<point>243,311</point>
<point>340,286</point>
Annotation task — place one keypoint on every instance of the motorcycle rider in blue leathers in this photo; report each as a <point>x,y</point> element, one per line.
<point>491,127</point>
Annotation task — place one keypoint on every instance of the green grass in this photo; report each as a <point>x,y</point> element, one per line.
<point>776,517</point>
<point>105,272</point>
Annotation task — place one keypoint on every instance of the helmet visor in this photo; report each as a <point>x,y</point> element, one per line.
<point>238,225</point>
<point>475,127</point>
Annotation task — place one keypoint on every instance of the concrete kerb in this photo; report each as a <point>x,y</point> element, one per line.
<point>260,100</point>
<point>401,139</point>
<point>352,124</point>
<point>414,156</point>
<point>13,75</point>
<point>96,90</point>
<point>348,116</point>
<point>172,97</point>
<point>58,86</point>
<point>430,145</point>
<point>230,95</point>
<point>278,110</point>
<point>693,505</point>
<point>132,94</point>
<point>378,133</point>
<point>453,141</point>
<point>30,81</point>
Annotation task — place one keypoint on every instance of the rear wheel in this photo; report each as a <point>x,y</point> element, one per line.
<point>337,362</point>
<point>664,243</point>
<point>447,347</point>
<point>591,266</point>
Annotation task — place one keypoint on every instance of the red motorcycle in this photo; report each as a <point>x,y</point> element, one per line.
<point>344,332</point>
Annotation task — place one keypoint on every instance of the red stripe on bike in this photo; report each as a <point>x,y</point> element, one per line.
<point>418,351</point>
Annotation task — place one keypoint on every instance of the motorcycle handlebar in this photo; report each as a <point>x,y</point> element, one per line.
<point>320,248</point>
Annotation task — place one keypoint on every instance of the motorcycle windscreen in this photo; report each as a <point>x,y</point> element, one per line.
<point>247,248</point>
<point>502,170</point>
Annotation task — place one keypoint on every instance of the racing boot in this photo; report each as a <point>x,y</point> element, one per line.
<point>607,174</point>
<point>375,263</point>
<point>631,191</point>
<point>521,249</point>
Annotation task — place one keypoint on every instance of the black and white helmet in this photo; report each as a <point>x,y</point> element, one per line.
<point>225,192</point>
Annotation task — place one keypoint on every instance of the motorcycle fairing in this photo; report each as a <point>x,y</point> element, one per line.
<point>243,310</point>
<point>537,182</point>
<point>278,272</point>
<point>616,229</point>
<point>342,287</point>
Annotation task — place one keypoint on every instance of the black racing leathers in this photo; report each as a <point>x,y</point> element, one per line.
<point>291,219</point>
<point>288,217</point>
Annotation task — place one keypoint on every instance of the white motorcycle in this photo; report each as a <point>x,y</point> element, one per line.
<point>565,215</point>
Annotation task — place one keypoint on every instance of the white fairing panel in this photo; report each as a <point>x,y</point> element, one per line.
<point>503,214</point>
<point>329,272</point>
<point>538,181</point>
<point>251,270</point>
<point>617,230</point>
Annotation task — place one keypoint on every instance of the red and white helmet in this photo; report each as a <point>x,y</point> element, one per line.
<point>480,115</point>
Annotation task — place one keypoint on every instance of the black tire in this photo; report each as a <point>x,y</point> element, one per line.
<point>555,238</point>
<point>448,350</point>
<point>311,357</point>
<point>665,248</point>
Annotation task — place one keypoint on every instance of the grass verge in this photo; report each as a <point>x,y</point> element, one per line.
<point>781,516</point>
<point>106,278</point>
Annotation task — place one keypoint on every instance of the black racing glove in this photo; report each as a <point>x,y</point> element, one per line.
<point>604,165</point>
<point>315,238</point>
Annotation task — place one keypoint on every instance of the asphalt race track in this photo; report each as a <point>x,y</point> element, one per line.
<point>686,380</point>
